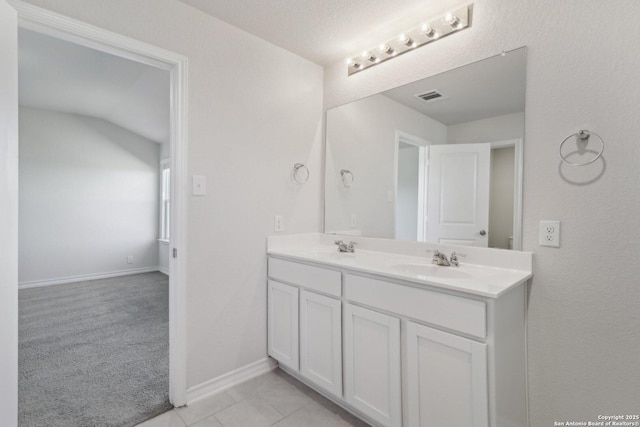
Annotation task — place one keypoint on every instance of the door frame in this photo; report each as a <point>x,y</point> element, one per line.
<point>518,175</point>
<point>423,160</point>
<point>62,27</point>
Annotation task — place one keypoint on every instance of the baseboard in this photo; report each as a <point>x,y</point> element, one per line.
<point>72,279</point>
<point>163,270</point>
<point>229,379</point>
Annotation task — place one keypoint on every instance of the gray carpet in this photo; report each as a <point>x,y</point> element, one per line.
<point>94,353</point>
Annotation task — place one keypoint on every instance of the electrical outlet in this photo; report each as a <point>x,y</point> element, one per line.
<point>549,234</point>
<point>130,259</point>
<point>278,223</point>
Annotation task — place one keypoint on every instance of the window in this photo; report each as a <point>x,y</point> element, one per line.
<point>165,208</point>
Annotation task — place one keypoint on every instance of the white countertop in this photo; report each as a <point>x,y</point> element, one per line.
<point>483,280</point>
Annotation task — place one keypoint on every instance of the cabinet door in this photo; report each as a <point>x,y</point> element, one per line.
<point>321,341</point>
<point>447,379</point>
<point>282,319</point>
<point>372,364</point>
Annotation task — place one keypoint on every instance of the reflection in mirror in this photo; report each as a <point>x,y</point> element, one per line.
<point>437,160</point>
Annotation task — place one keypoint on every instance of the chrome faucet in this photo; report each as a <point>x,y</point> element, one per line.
<point>440,259</point>
<point>346,247</point>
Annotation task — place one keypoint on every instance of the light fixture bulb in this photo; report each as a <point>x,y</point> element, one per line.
<point>452,20</point>
<point>406,40</point>
<point>385,48</point>
<point>349,62</point>
<point>429,31</point>
<point>368,56</point>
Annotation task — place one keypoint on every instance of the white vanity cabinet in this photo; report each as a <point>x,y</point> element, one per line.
<point>282,321</point>
<point>321,341</point>
<point>305,326</point>
<point>410,354</point>
<point>372,364</point>
<point>446,379</point>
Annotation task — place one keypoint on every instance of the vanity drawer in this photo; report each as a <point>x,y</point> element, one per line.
<point>452,312</point>
<point>308,276</point>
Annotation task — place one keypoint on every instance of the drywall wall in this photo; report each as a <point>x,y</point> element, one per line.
<point>361,138</point>
<point>499,128</point>
<point>88,197</point>
<point>254,111</point>
<point>9,215</point>
<point>501,197</point>
<point>584,322</point>
<point>163,256</point>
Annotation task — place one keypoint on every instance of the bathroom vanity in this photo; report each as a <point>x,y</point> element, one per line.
<point>396,339</point>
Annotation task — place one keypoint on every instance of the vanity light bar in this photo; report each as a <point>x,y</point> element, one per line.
<point>434,29</point>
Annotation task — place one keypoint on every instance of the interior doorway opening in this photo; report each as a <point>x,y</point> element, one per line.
<point>48,23</point>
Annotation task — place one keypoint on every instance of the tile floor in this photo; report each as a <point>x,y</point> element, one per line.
<point>273,399</point>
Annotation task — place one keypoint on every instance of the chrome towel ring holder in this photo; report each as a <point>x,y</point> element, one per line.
<point>347,177</point>
<point>300,173</point>
<point>582,135</point>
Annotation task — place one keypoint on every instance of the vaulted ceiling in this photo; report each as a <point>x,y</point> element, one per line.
<point>61,76</point>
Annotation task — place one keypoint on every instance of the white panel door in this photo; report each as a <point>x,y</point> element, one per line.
<point>458,194</point>
<point>447,379</point>
<point>282,323</point>
<point>321,341</point>
<point>372,364</point>
<point>8,214</point>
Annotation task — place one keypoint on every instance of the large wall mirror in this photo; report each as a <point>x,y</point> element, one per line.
<point>438,160</point>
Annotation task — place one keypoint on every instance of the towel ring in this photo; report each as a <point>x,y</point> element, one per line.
<point>300,173</point>
<point>347,177</point>
<point>582,135</point>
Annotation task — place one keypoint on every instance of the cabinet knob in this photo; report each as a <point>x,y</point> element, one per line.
<point>483,232</point>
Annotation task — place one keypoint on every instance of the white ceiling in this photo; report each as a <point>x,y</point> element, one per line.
<point>324,31</point>
<point>62,76</point>
<point>489,88</point>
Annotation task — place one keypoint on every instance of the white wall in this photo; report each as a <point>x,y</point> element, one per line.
<point>361,138</point>
<point>584,323</point>
<point>88,197</point>
<point>499,128</point>
<point>254,111</point>
<point>164,252</point>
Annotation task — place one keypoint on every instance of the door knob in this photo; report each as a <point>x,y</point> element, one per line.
<point>482,232</point>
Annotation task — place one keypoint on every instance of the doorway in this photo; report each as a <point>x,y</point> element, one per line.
<point>411,161</point>
<point>51,24</point>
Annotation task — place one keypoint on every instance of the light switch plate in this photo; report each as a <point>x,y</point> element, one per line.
<point>199,185</point>
<point>549,234</point>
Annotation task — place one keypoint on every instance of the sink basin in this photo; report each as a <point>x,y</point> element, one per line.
<point>331,255</point>
<point>430,270</point>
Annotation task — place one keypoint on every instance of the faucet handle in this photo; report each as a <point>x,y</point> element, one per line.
<point>454,259</point>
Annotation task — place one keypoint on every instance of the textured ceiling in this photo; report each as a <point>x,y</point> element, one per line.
<point>62,76</point>
<point>324,31</point>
